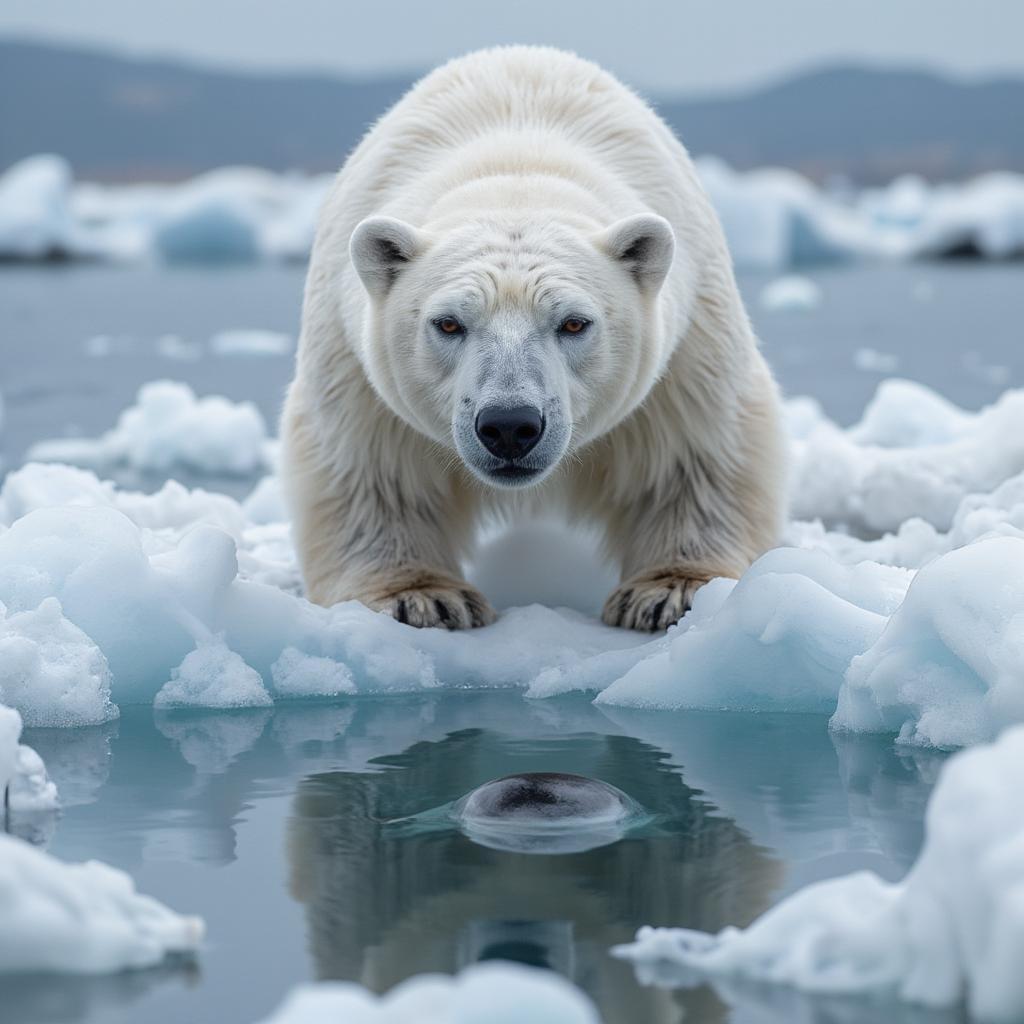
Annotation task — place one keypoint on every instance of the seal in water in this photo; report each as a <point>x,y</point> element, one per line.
<point>545,812</point>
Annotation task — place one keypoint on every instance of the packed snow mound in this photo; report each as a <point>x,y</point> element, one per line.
<point>212,676</point>
<point>952,930</point>
<point>24,783</point>
<point>169,426</point>
<point>912,455</point>
<point>50,671</point>
<point>487,993</point>
<point>81,918</point>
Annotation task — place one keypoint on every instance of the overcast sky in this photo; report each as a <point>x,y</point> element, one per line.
<point>668,45</point>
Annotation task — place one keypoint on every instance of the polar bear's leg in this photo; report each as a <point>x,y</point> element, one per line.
<point>694,516</point>
<point>672,550</point>
<point>383,534</point>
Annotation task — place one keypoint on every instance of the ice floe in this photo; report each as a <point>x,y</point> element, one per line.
<point>952,929</point>
<point>186,597</point>
<point>489,993</point>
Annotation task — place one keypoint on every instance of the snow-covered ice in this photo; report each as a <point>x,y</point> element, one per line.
<point>169,426</point>
<point>488,993</point>
<point>913,454</point>
<point>213,676</point>
<point>952,929</point>
<point>50,671</point>
<point>186,597</point>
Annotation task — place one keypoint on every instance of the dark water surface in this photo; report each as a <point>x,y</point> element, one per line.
<point>276,825</point>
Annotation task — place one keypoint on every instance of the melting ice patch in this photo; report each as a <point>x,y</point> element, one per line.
<point>952,929</point>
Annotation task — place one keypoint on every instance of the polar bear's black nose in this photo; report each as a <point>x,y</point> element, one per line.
<point>509,433</point>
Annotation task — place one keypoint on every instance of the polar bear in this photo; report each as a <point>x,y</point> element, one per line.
<point>520,300</point>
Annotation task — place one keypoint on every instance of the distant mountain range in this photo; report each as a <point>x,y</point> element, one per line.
<point>118,118</point>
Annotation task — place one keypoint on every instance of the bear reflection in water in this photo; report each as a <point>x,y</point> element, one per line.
<point>385,902</point>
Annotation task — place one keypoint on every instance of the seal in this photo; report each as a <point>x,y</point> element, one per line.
<point>545,812</point>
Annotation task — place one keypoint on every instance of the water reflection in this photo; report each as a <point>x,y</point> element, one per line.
<point>746,808</point>
<point>438,901</point>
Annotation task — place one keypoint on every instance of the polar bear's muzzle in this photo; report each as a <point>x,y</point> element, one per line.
<point>511,446</point>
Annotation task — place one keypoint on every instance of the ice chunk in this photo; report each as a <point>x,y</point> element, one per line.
<point>488,993</point>
<point>781,639</point>
<point>213,676</point>
<point>250,343</point>
<point>305,675</point>
<point>949,668</point>
<point>50,671</point>
<point>81,918</point>
<point>912,455</point>
<point>775,218</point>
<point>35,217</point>
<point>170,426</point>
<point>984,219</point>
<point>790,293</point>
<point>953,929</point>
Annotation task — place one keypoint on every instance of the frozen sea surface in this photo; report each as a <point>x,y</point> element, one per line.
<point>279,824</point>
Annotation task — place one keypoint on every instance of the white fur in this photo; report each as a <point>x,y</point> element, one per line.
<point>514,187</point>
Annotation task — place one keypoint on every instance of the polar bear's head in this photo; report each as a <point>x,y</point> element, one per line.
<point>510,340</point>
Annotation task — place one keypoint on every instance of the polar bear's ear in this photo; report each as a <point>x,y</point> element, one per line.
<point>646,243</point>
<point>380,247</point>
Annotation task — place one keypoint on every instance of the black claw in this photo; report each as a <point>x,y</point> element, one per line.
<point>627,596</point>
<point>443,614</point>
<point>401,611</point>
<point>656,612</point>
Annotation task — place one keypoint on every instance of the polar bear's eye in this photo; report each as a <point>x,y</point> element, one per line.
<point>574,325</point>
<point>449,325</point>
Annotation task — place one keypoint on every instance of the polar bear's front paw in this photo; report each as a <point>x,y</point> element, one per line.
<point>442,601</point>
<point>653,600</point>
